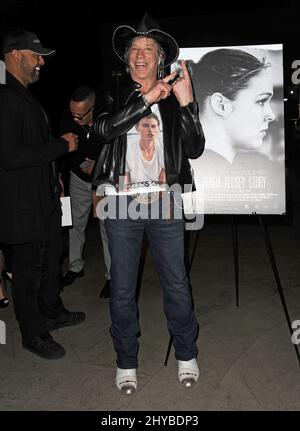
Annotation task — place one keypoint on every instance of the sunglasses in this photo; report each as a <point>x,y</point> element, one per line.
<point>81,117</point>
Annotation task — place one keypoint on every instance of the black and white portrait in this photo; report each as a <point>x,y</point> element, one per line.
<point>240,96</point>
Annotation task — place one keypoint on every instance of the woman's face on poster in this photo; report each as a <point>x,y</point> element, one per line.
<point>250,115</point>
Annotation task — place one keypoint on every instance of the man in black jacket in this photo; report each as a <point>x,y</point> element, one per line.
<point>30,216</point>
<point>147,51</point>
<point>79,119</point>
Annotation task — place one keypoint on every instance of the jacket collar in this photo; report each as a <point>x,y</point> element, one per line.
<point>14,83</point>
<point>127,88</point>
<point>127,81</point>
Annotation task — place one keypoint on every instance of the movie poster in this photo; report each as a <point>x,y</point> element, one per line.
<point>239,90</point>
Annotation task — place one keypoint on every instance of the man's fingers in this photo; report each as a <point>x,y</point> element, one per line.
<point>161,90</point>
<point>184,69</point>
<point>171,76</point>
<point>165,89</point>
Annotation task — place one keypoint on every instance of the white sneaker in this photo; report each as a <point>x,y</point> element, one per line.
<point>188,372</point>
<point>126,380</point>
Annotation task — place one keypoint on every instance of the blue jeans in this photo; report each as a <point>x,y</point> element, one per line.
<point>166,241</point>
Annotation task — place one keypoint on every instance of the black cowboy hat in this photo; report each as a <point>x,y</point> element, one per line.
<point>147,27</point>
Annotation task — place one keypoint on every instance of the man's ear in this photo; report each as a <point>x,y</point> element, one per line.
<point>220,104</point>
<point>16,55</point>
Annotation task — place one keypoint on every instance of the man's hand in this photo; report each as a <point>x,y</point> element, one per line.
<point>72,140</point>
<point>161,90</point>
<point>62,186</point>
<point>88,170</point>
<point>182,88</point>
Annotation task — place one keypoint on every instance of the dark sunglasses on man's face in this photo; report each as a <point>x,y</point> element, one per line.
<point>81,117</point>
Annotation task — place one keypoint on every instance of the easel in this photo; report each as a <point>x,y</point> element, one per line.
<point>265,234</point>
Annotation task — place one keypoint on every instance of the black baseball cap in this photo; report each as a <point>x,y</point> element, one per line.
<point>22,39</point>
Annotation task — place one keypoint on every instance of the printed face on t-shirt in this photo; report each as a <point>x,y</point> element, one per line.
<point>145,155</point>
<point>148,129</point>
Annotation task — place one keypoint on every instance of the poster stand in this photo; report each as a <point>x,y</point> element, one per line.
<point>268,245</point>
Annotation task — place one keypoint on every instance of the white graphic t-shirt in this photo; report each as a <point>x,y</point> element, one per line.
<point>145,167</point>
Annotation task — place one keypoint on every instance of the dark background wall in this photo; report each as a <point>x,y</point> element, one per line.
<point>81,34</point>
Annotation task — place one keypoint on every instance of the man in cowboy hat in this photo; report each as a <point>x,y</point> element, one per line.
<point>147,51</point>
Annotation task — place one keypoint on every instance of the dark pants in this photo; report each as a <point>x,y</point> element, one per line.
<point>166,241</point>
<point>36,281</point>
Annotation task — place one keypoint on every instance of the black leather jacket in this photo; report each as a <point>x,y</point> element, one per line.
<point>117,112</point>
